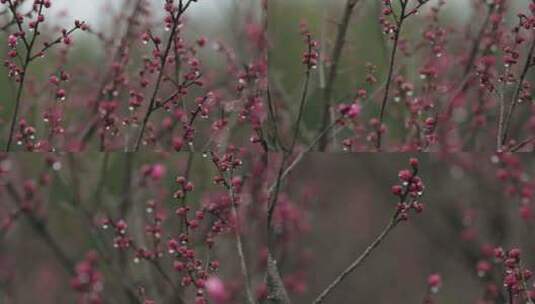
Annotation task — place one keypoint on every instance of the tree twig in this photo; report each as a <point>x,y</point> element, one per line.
<point>333,71</point>
<point>527,65</point>
<point>358,262</point>
<point>174,30</point>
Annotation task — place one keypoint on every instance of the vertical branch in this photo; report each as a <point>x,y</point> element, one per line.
<point>273,194</point>
<point>393,54</point>
<point>276,291</point>
<point>272,114</point>
<point>239,247</point>
<point>301,110</point>
<point>510,296</point>
<point>237,230</point>
<point>333,71</point>
<point>273,118</point>
<point>507,121</point>
<point>404,14</point>
<point>152,105</point>
<point>17,106</point>
<point>310,60</point>
<point>25,65</point>
<point>501,115</point>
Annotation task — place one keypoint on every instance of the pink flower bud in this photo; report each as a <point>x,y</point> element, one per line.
<point>434,281</point>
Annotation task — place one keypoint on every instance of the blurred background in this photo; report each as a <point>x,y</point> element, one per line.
<point>332,207</point>
<point>94,12</point>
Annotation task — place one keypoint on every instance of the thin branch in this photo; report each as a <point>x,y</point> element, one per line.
<point>522,144</point>
<point>172,36</point>
<point>390,74</point>
<point>501,117</point>
<point>333,72</point>
<point>27,60</point>
<point>239,247</point>
<point>359,261</point>
<point>518,90</point>
<point>396,219</point>
<point>303,99</point>
<point>273,118</point>
<point>237,232</point>
<point>301,155</point>
<point>399,27</point>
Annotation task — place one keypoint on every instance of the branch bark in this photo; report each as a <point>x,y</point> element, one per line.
<point>333,72</point>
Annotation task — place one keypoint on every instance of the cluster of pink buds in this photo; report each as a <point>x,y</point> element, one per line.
<point>350,111</point>
<point>14,71</point>
<point>195,271</point>
<point>153,229</point>
<point>389,27</point>
<point>12,44</point>
<point>409,191</point>
<point>516,277</point>
<point>121,241</point>
<point>485,269</point>
<point>25,135</point>
<point>88,281</point>
<point>56,80</point>
<point>528,22</point>
<point>185,187</point>
<point>311,55</point>
<point>517,183</point>
<point>226,163</point>
<point>135,101</point>
<point>81,25</point>
<point>190,265</point>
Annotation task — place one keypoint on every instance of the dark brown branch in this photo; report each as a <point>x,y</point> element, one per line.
<point>359,261</point>
<point>527,65</point>
<point>174,31</point>
<point>333,72</point>
<point>390,74</point>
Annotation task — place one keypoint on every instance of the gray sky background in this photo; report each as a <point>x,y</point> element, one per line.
<point>90,10</point>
